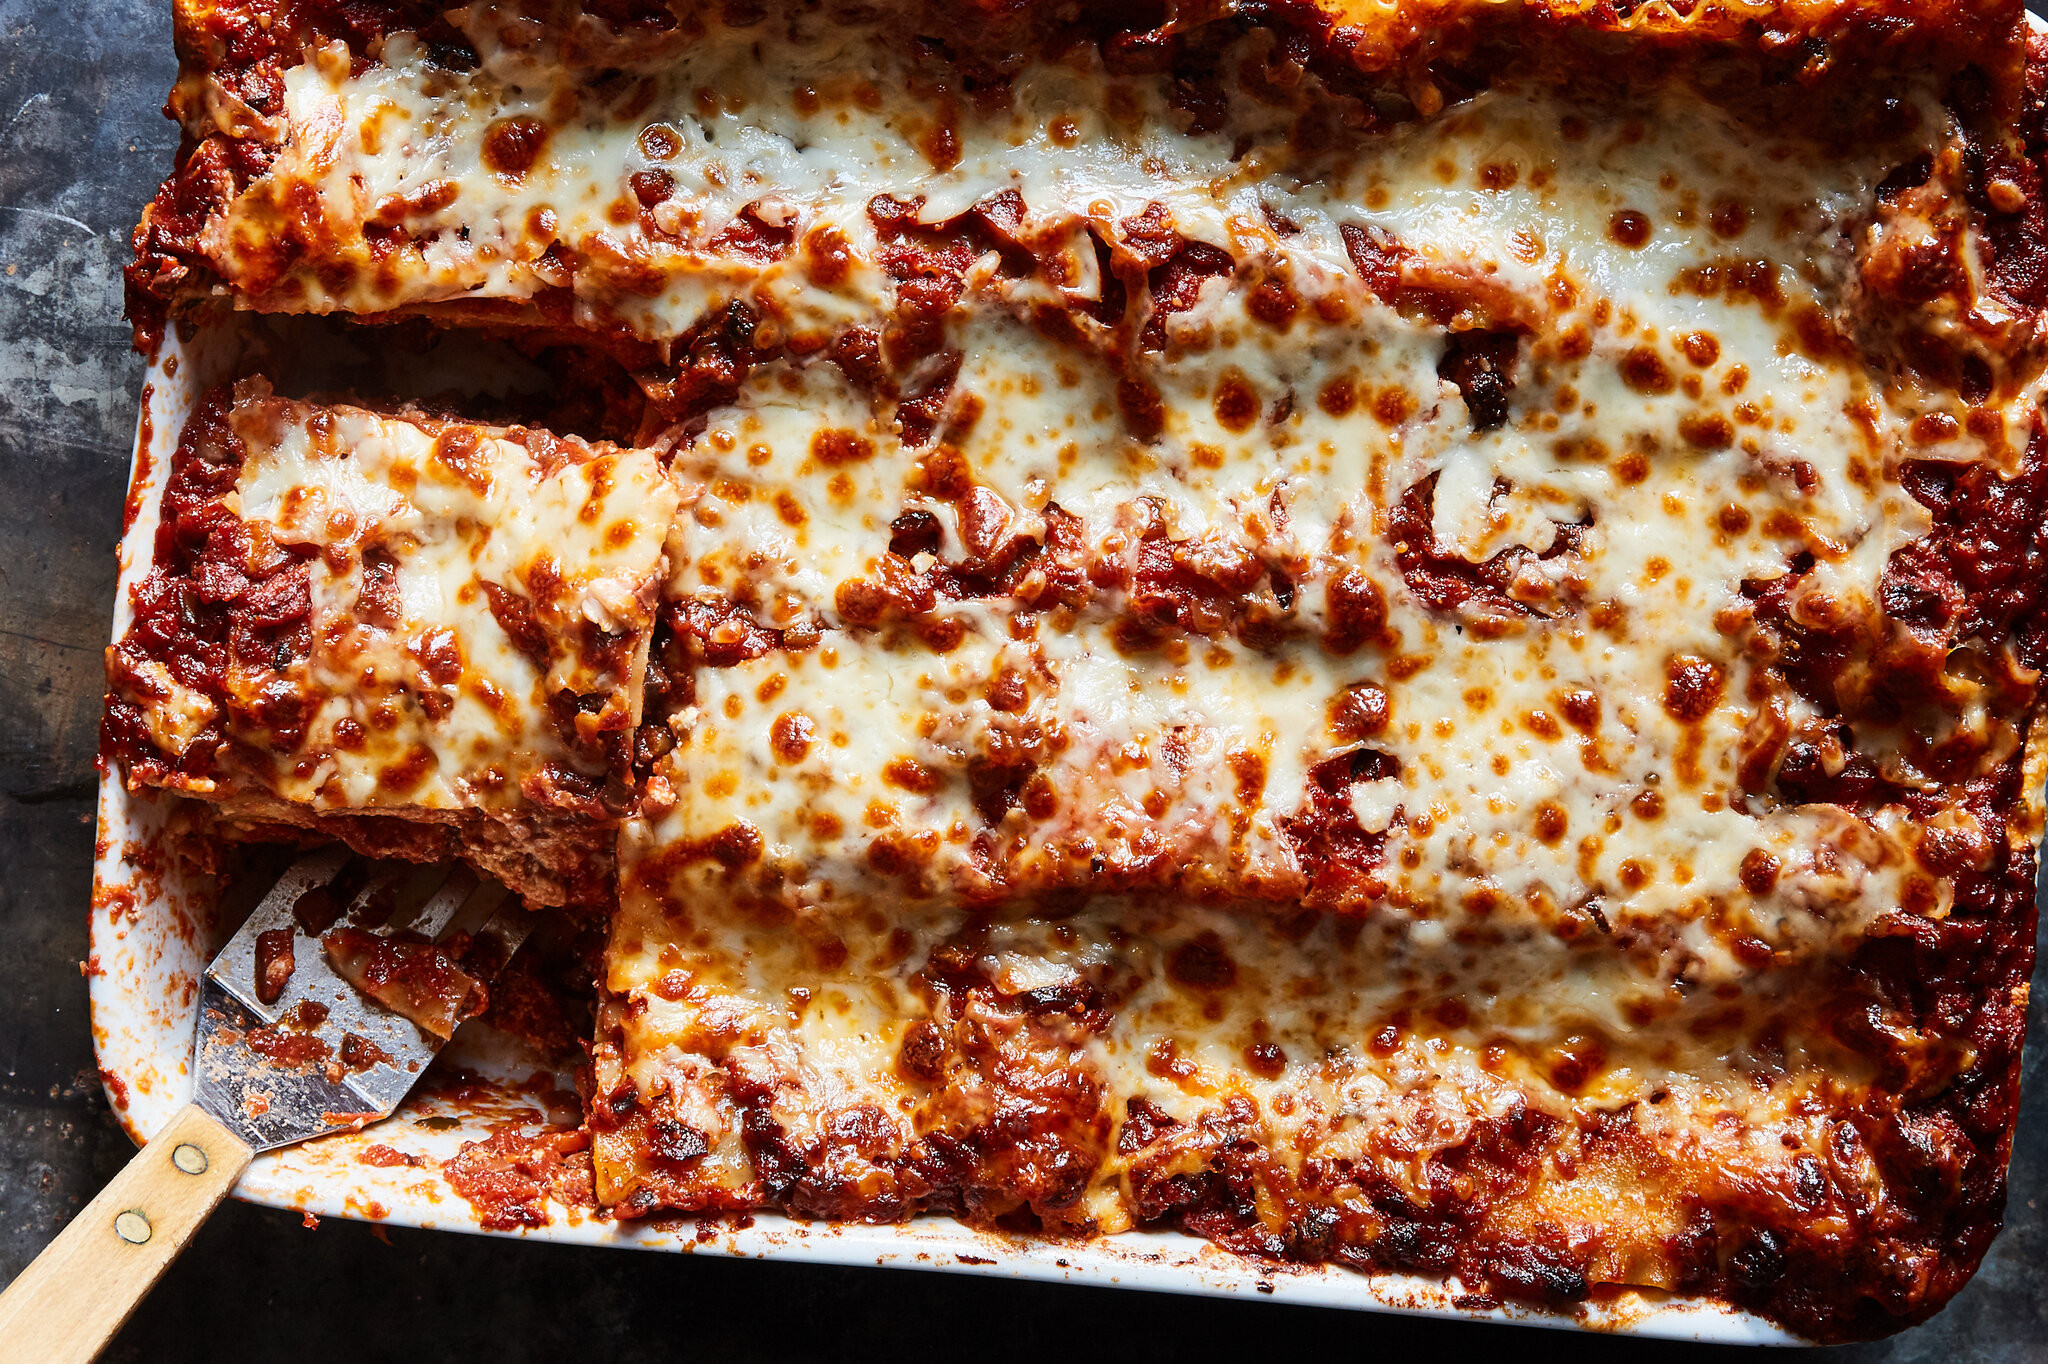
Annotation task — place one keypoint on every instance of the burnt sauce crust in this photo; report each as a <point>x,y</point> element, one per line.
<point>1839,1266</point>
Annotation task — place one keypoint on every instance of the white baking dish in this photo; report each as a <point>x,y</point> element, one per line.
<point>154,926</point>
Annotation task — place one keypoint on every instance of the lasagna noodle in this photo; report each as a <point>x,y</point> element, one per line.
<point>436,630</point>
<point>1144,1059</point>
<point>543,174</point>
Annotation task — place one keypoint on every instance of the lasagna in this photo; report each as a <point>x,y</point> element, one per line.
<point>1398,636</point>
<point>422,636</point>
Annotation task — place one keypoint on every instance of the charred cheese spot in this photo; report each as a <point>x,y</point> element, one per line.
<point>1629,228</point>
<point>792,735</point>
<point>1693,688</point>
<point>834,447</point>
<point>511,146</point>
<point>1644,370</point>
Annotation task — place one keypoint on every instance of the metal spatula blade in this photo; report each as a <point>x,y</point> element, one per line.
<point>289,1047</point>
<point>319,1015</point>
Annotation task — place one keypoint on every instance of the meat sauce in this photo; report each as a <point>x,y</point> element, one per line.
<point>217,594</point>
<point>409,976</point>
<point>511,1177</point>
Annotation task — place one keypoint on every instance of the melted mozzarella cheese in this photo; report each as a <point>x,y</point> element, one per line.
<point>401,173</point>
<point>1123,765</point>
<point>1374,1051</point>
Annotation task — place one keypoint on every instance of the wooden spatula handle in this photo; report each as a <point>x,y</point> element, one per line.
<point>69,1302</point>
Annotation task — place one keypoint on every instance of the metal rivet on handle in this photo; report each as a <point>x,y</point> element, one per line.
<point>132,1227</point>
<point>189,1158</point>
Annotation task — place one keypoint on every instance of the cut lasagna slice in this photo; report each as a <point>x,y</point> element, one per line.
<point>422,636</point>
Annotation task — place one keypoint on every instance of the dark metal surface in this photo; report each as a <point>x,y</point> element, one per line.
<point>81,147</point>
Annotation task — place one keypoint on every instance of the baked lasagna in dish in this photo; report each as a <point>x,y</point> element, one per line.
<point>1399,635</point>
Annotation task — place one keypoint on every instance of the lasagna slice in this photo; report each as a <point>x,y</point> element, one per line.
<point>424,637</point>
<point>1532,1114</point>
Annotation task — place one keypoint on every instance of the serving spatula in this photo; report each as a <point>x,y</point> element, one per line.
<point>319,1016</point>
